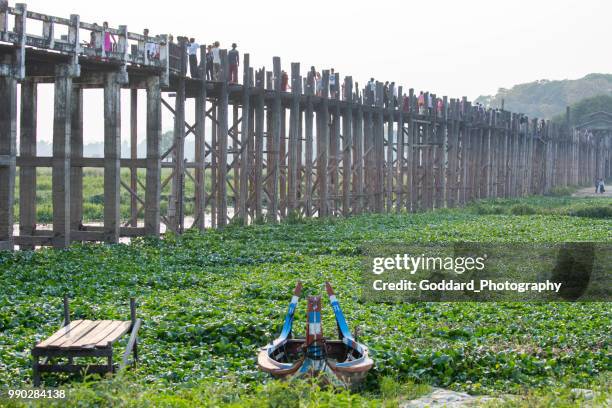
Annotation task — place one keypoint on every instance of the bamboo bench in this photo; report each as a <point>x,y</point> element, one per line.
<point>86,338</point>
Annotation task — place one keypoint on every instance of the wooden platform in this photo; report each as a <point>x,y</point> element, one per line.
<point>87,334</point>
<point>86,338</point>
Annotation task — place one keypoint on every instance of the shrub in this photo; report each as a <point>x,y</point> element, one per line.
<point>482,209</point>
<point>522,209</point>
<point>600,211</point>
<point>561,191</point>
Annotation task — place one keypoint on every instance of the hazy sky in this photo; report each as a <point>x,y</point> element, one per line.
<point>452,48</point>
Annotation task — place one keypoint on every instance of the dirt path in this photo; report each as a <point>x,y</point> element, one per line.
<point>590,192</point>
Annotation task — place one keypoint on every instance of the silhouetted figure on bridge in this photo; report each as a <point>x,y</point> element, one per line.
<point>192,51</point>
<point>234,60</point>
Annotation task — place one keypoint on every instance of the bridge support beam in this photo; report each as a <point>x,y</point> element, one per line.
<point>27,150</point>
<point>112,157</point>
<point>76,153</point>
<point>8,135</point>
<point>323,147</point>
<point>61,156</point>
<point>153,181</point>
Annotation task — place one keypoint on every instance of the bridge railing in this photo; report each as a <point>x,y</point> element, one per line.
<point>89,40</point>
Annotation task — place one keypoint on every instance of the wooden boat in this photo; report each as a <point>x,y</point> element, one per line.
<point>342,362</point>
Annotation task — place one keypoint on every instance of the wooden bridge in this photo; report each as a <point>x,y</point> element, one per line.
<point>270,154</point>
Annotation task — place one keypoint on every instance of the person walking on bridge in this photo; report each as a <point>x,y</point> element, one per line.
<point>192,51</point>
<point>332,84</point>
<point>209,63</point>
<point>108,37</point>
<point>234,60</point>
<point>319,84</point>
<point>216,61</point>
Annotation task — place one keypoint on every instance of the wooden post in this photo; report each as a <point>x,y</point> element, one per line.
<point>308,134</point>
<point>334,149</point>
<point>134,322</point>
<point>175,206</point>
<point>275,134</point>
<point>234,184</point>
<point>358,160</point>
<point>76,153</point>
<point>453,140</point>
<point>259,142</point>
<point>347,146</point>
<point>27,150</point>
<point>8,142</point>
<point>323,146</point>
<point>412,162</point>
<point>388,167</point>
<point>112,157</point>
<point>369,154</point>
<point>214,165</point>
<point>282,164</point>
<point>61,156</point>
<point>444,168</point>
<point>379,155</point>
<point>66,311</point>
<point>245,146</point>
<point>134,156</point>
<point>294,121</point>
<point>153,180</point>
<point>200,145</point>
<point>400,153</point>
<point>222,112</point>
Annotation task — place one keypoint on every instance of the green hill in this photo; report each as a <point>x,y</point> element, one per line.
<point>581,109</point>
<point>545,98</point>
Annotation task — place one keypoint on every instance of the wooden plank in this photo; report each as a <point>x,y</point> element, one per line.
<point>122,328</point>
<point>82,329</point>
<point>132,343</point>
<point>102,329</point>
<point>58,334</point>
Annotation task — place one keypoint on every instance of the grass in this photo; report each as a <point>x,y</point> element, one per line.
<point>209,301</point>
<point>93,194</point>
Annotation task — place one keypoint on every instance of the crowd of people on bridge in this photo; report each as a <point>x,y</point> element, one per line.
<point>426,103</point>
